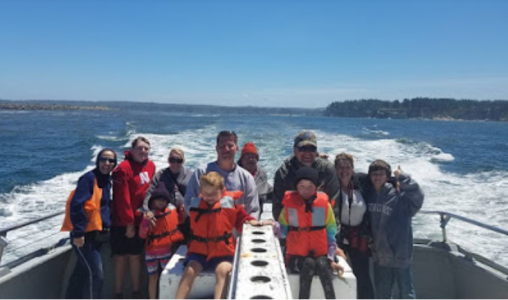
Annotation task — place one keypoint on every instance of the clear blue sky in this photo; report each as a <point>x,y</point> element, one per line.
<point>261,53</point>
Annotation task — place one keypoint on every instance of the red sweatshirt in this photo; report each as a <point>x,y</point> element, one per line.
<point>130,182</point>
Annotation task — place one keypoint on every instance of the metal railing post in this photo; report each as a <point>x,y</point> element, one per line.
<point>3,243</point>
<point>444,221</point>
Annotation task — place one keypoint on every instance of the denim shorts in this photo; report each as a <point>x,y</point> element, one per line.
<point>209,265</point>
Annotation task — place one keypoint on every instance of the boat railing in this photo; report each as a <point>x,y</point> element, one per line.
<point>445,217</point>
<point>4,241</point>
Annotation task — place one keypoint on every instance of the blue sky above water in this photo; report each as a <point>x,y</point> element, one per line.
<point>261,53</point>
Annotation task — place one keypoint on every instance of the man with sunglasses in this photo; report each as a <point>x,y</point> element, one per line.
<point>236,178</point>
<point>304,154</point>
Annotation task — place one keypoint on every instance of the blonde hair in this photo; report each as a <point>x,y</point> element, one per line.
<point>344,156</point>
<point>212,179</point>
<point>178,151</point>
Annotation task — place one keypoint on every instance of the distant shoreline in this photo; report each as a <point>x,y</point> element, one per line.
<point>17,106</point>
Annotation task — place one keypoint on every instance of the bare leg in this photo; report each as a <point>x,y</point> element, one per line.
<point>135,268</point>
<point>153,280</point>
<point>221,274</point>
<point>192,271</point>
<point>120,263</point>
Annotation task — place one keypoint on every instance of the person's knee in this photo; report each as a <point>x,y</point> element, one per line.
<point>323,264</point>
<point>223,269</point>
<point>134,258</point>
<point>193,269</point>
<point>120,258</point>
<point>309,263</point>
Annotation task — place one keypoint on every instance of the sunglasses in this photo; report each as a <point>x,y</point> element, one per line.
<point>307,149</point>
<point>105,159</point>
<point>174,160</point>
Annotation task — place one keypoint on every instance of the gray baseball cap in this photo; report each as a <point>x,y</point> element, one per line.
<point>305,138</point>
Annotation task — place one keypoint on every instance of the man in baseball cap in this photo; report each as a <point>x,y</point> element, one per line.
<point>304,154</point>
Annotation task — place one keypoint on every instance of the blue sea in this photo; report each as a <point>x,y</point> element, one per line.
<point>461,166</point>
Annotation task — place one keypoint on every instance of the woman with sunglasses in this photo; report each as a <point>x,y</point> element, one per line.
<point>175,178</point>
<point>87,217</point>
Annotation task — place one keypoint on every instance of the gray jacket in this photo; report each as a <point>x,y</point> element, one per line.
<point>177,187</point>
<point>286,176</point>
<point>236,180</point>
<point>390,214</point>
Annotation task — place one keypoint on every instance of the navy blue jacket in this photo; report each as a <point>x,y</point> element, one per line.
<point>84,192</point>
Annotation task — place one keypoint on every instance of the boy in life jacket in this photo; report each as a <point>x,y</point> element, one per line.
<point>308,223</point>
<point>213,217</point>
<point>161,232</point>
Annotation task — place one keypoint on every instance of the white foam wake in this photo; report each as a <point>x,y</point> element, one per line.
<point>476,195</point>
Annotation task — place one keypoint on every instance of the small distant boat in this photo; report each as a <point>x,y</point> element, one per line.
<point>441,269</point>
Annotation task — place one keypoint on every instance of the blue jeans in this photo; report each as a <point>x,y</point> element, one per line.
<point>385,277</point>
<point>79,282</point>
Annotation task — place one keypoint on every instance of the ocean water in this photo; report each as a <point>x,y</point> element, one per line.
<point>461,166</point>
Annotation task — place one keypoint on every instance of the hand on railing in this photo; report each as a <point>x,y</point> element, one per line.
<point>79,241</point>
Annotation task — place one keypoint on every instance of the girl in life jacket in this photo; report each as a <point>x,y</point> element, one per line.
<point>308,224</point>
<point>213,216</point>
<point>161,233</point>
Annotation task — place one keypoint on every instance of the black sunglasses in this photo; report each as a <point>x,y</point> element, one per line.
<point>174,160</point>
<point>105,159</point>
<point>307,149</point>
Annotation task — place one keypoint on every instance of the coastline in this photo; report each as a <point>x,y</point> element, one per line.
<point>17,106</point>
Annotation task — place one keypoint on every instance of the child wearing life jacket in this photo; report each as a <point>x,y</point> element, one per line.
<point>161,232</point>
<point>213,217</point>
<point>308,223</point>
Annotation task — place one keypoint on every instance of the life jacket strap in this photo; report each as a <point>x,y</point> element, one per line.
<point>309,228</point>
<point>202,211</point>
<point>163,214</point>
<point>152,237</point>
<point>225,237</point>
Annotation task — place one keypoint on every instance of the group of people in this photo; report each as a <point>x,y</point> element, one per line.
<point>320,209</point>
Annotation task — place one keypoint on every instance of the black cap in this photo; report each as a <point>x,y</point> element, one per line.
<point>161,192</point>
<point>307,173</point>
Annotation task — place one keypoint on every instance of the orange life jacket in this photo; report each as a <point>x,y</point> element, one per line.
<point>92,209</point>
<point>165,232</point>
<point>306,230</point>
<point>212,227</point>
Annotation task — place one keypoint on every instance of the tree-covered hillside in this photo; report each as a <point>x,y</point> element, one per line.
<point>421,108</point>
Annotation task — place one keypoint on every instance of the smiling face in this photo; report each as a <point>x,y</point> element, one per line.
<point>210,194</point>
<point>378,179</point>
<point>159,204</point>
<point>107,162</point>
<point>140,151</point>
<point>306,189</point>
<point>226,149</point>
<point>249,162</point>
<point>175,162</point>
<point>344,171</point>
<point>306,155</point>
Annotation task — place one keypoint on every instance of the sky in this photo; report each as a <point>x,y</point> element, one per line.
<point>260,53</point>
